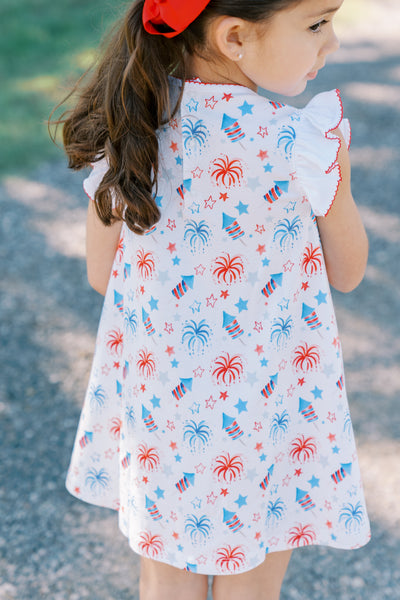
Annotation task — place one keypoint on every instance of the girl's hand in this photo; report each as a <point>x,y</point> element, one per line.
<point>343,237</point>
<point>101,245</point>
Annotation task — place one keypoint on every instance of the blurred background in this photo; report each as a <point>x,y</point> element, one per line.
<point>51,545</point>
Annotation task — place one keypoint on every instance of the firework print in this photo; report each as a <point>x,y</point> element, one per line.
<point>216,420</point>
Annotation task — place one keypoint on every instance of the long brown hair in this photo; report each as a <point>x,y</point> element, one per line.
<point>127,99</point>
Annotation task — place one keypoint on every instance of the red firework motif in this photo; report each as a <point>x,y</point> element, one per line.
<point>306,358</point>
<point>115,428</point>
<point>145,363</point>
<point>120,249</point>
<point>228,269</point>
<point>227,172</point>
<point>145,263</point>
<point>311,261</point>
<point>227,369</point>
<point>230,559</point>
<point>151,545</point>
<point>228,468</point>
<point>148,457</point>
<point>303,449</point>
<point>115,340</point>
<point>302,535</point>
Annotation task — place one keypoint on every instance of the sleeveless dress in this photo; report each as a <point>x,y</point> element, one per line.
<point>216,420</point>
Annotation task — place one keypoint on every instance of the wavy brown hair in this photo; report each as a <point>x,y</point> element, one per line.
<point>127,99</point>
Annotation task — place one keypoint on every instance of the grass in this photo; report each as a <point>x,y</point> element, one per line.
<point>45,45</point>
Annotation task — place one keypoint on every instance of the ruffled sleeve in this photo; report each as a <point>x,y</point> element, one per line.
<point>92,182</point>
<point>317,148</point>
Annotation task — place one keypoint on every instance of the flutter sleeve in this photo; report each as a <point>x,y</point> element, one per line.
<point>95,177</point>
<point>317,148</point>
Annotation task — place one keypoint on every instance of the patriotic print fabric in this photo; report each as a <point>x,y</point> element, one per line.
<point>216,418</point>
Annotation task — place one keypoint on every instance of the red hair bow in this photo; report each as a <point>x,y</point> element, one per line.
<point>175,14</point>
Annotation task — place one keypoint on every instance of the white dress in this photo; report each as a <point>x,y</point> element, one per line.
<point>216,419</point>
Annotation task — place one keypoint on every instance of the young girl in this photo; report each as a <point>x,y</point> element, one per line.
<point>216,418</point>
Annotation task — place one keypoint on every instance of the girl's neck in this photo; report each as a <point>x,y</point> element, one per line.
<point>227,72</point>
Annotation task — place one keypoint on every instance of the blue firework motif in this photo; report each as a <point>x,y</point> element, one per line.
<point>97,396</point>
<point>98,481</point>
<point>275,511</point>
<point>279,426</point>
<point>281,331</point>
<point>196,336</point>
<point>198,528</point>
<point>286,139</point>
<point>286,232</point>
<point>130,417</point>
<point>352,515</point>
<point>130,321</point>
<point>194,134</point>
<point>197,435</point>
<point>197,234</point>
<point>347,427</point>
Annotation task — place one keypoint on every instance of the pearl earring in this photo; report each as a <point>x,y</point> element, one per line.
<point>240,56</point>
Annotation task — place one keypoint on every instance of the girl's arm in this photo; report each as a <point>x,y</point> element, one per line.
<point>343,237</point>
<point>101,245</point>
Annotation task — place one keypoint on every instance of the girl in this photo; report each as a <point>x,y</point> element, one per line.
<point>216,418</point>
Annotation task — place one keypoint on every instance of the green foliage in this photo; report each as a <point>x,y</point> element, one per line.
<point>45,45</point>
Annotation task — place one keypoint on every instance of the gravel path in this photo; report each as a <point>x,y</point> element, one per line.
<point>55,547</point>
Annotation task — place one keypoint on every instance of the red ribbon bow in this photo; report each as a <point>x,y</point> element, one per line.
<point>176,14</point>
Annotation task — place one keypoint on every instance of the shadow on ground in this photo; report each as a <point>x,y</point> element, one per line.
<point>53,546</point>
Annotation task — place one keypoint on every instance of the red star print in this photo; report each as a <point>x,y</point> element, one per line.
<point>257,535</point>
<point>141,289</point>
<point>336,342</point>
<point>224,492</point>
<point>116,365</point>
<point>115,273</point>
<point>258,447</point>
<point>197,173</point>
<point>261,249</point>
<point>170,350</point>
<point>171,224</point>
<point>175,535</point>
<point>293,176</point>
<point>171,247</point>
<point>223,395</point>
<point>259,229</point>
<point>288,266</point>
<point>224,293</point>
<point>209,202</point>
<point>211,102</point>
<point>210,402</point>
<point>145,479</point>
<point>174,146</point>
<point>262,155</point>
<point>258,326</point>
<point>262,131</point>
<point>305,285</point>
<point>259,349</point>
<point>227,97</point>
<point>142,388</point>
<point>168,327</point>
<point>170,425</point>
<point>331,437</point>
<point>211,300</point>
<point>257,426</point>
<point>301,381</point>
<point>198,372</point>
<point>200,270</point>
<point>174,123</point>
<point>173,446</point>
<point>328,524</point>
<point>298,472</point>
<point>223,196</point>
<point>77,490</point>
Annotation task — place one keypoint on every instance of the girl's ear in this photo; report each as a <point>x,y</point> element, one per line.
<point>228,35</point>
